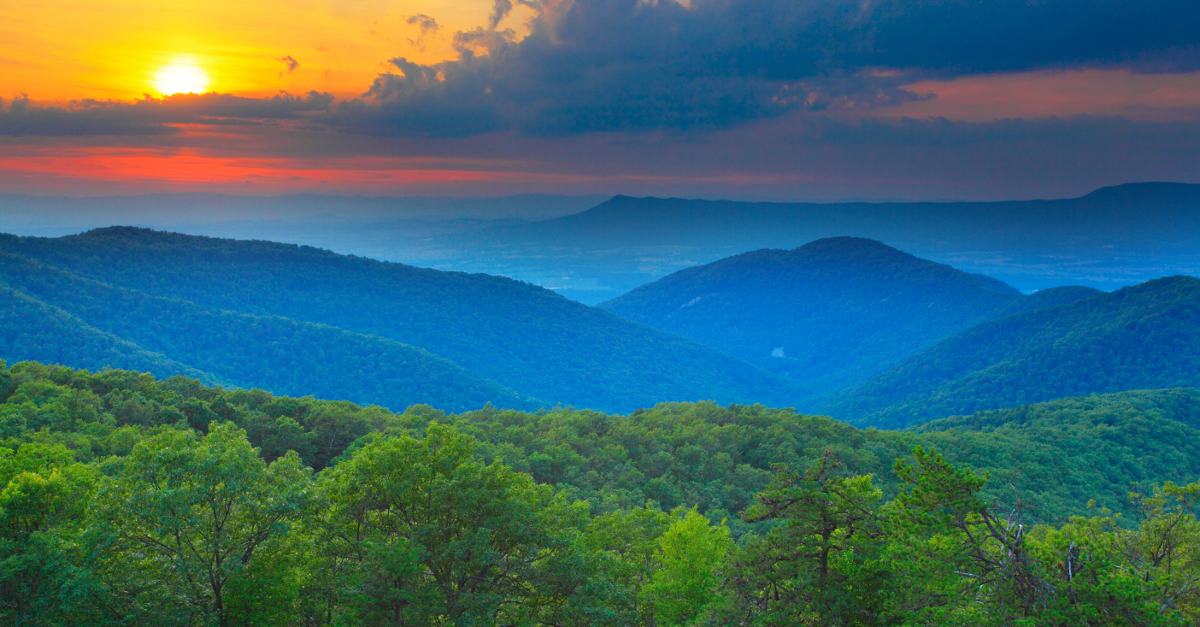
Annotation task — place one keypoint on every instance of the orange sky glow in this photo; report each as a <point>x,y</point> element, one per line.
<point>58,50</point>
<point>58,55</point>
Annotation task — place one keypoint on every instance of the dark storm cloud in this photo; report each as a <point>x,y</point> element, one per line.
<point>20,117</point>
<point>685,65</point>
<point>632,65</point>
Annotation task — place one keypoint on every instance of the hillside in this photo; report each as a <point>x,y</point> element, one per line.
<point>35,331</point>
<point>1060,454</point>
<point>1147,336</point>
<point>266,352</point>
<point>831,313</point>
<point>520,336</point>
<point>118,489</point>
<point>1057,455</point>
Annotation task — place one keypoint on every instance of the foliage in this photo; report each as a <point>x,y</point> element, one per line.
<point>420,533</point>
<point>685,582</point>
<point>189,522</point>
<point>1056,456</point>
<point>134,501</point>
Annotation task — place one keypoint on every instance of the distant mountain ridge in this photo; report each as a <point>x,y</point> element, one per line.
<point>1146,336</point>
<point>663,221</point>
<point>830,313</point>
<point>1110,238</point>
<point>521,337</point>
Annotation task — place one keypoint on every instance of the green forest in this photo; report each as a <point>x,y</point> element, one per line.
<point>131,500</point>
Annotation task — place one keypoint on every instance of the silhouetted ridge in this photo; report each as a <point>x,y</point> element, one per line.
<point>1141,192</point>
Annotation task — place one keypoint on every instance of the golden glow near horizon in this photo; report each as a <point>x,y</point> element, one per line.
<point>181,77</point>
<point>56,50</point>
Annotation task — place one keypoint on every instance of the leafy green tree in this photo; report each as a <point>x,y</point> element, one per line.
<point>419,533</point>
<point>43,500</point>
<point>691,553</point>
<point>822,561</point>
<point>188,522</point>
<point>631,540</point>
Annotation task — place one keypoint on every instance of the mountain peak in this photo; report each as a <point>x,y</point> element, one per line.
<point>1159,191</point>
<point>831,312</point>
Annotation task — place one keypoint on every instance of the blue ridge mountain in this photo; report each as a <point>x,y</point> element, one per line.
<point>32,330</point>
<point>522,337</point>
<point>829,314</point>
<point>1145,336</point>
<point>86,323</point>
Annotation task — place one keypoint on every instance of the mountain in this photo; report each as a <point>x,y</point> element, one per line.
<point>158,335</point>
<point>32,330</point>
<point>829,314</point>
<point>1113,237</point>
<point>520,336</point>
<point>1146,336</point>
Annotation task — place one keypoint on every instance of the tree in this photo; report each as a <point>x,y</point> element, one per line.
<point>419,533</point>
<point>44,495</point>
<point>691,553</point>
<point>188,521</point>
<point>822,562</point>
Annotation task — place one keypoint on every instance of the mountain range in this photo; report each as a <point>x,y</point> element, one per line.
<point>260,314</point>
<point>844,326</point>
<point>594,249</point>
<point>1110,238</point>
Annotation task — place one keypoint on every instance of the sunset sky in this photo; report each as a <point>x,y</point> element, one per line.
<point>801,99</point>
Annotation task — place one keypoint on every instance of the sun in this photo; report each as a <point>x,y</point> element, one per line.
<point>181,77</point>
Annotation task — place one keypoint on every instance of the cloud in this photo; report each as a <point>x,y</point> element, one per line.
<point>427,26</point>
<point>151,116</point>
<point>290,63</point>
<point>641,66</point>
<point>632,65</point>
<point>500,10</point>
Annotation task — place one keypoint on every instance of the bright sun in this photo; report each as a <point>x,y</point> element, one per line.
<point>181,77</point>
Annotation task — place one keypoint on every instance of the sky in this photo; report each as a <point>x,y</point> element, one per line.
<point>770,99</point>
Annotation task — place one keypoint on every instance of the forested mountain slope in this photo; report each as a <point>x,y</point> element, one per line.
<point>1056,455</point>
<point>1060,454</point>
<point>126,500</point>
<point>523,337</point>
<point>830,313</point>
<point>1146,336</point>
<point>33,330</point>
<point>269,352</point>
